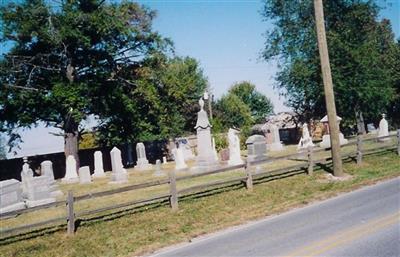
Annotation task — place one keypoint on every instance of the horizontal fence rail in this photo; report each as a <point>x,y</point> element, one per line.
<point>174,194</point>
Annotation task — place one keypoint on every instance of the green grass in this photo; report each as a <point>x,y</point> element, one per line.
<point>139,231</point>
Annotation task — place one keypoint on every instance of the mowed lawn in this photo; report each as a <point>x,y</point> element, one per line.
<point>140,231</point>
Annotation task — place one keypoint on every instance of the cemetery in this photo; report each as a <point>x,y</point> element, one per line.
<point>148,142</point>
<point>40,200</point>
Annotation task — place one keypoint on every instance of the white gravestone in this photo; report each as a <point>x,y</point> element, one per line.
<point>71,175</point>
<point>142,162</point>
<point>187,151</point>
<point>256,148</point>
<point>326,139</point>
<point>11,196</point>
<point>25,166</point>
<point>26,175</point>
<point>98,165</point>
<point>84,175</point>
<point>164,160</point>
<point>371,129</point>
<point>118,174</point>
<point>205,153</point>
<point>276,144</point>
<point>305,140</point>
<point>179,159</point>
<point>47,171</point>
<point>383,129</point>
<point>234,148</point>
<point>38,192</point>
<point>158,172</point>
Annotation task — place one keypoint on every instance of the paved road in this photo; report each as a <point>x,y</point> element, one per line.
<point>365,222</point>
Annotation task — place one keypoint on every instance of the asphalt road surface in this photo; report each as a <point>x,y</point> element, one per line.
<point>364,223</point>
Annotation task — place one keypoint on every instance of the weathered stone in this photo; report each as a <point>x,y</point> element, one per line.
<point>84,175</point>
<point>256,147</point>
<point>158,172</point>
<point>305,140</point>
<point>142,162</point>
<point>371,129</point>
<point>38,191</point>
<point>11,196</point>
<point>383,129</point>
<point>326,139</point>
<point>71,175</point>
<point>98,165</point>
<point>205,153</point>
<point>47,171</point>
<point>224,154</point>
<point>118,174</point>
<point>234,148</point>
<point>179,159</point>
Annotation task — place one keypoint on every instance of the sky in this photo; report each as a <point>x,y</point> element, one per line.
<point>226,37</point>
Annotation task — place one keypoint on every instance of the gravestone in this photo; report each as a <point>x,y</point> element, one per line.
<point>142,162</point>
<point>11,196</point>
<point>158,172</point>
<point>276,144</point>
<point>26,175</point>
<point>383,129</point>
<point>118,174</point>
<point>84,175</point>
<point>98,165</point>
<point>305,140</point>
<point>224,154</point>
<point>205,152</point>
<point>179,159</point>
<point>326,139</point>
<point>38,191</point>
<point>371,129</point>
<point>164,160</point>
<point>47,171</point>
<point>234,148</point>
<point>186,149</point>
<point>256,148</point>
<point>25,166</point>
<point>71,175</point>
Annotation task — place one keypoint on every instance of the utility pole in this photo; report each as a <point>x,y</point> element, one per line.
<point>328,88</point>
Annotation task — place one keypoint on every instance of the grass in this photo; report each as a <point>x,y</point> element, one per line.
<point>139,231</point>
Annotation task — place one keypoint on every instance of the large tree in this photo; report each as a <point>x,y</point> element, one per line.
<point>241,107</point>
<point>259,104</point>
<point>359,48</point>
<point>161,104</point>
<point>68,59</point>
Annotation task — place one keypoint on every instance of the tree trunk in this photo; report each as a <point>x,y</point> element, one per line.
<point>71,146</point>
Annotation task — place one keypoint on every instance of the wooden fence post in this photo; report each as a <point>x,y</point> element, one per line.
<point>249,179</point>
<point>359,150</point>
<point>173,200</point>
<point>398,142</point>
<point>310,152</point>
<point>70,213</point>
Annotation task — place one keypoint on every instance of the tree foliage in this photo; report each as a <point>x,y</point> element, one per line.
<point>259,104</point>
<point>163,103</point>
<point>241,107</point>
<point>69,59</point>
<point>361,52</point>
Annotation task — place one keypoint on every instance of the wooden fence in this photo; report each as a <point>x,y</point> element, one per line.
<point>174,194</point>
